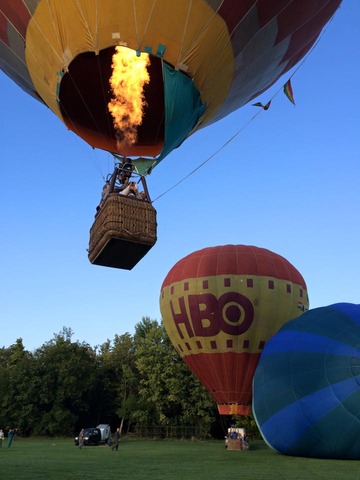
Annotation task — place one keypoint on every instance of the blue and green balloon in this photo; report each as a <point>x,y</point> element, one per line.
<point>306,390</point>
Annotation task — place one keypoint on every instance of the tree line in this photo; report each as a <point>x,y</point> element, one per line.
<point>138,382</point>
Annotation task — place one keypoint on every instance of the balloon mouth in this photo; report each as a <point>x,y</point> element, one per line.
<point>84,95</point>
<point>234,409</point>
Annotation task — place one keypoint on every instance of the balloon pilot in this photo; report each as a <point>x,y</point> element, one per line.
<point>120,182</point>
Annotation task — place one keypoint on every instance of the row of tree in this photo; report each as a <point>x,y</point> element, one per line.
<point>136,381</point>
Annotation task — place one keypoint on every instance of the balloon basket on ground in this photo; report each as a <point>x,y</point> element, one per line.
<point>237,444</point>
<point>123,232</point>
<point>237,439</point>
<point>234,444</point>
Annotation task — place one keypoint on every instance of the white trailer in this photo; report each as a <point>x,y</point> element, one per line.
<point>105,432</point>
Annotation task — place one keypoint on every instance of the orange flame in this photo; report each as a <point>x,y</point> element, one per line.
<point>127,81</point>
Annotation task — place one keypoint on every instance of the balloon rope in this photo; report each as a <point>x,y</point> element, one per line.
<point>183,35</point>
<point>140,40</point>
<point>209,158</point>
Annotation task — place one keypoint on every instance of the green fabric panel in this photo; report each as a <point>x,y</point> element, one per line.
<point>324,323</point>
<point>332,433</point>
<point>144,166</point>
<point>297,375</point>
<point>183,108</point>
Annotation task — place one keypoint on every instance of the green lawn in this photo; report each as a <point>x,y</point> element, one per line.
<point>48,459</point>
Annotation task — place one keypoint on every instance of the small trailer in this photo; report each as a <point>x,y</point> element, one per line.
<point>105,432</point>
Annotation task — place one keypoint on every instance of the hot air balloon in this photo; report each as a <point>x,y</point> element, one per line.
<point>207,58</point>
<point>203,58</point>
<point>220,305</point>
<point>307,385</point>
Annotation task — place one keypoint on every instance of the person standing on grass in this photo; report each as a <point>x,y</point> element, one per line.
<point>117,440</point>
<point>10,437</point>
<point>1,436</point>
<point>81,438</point>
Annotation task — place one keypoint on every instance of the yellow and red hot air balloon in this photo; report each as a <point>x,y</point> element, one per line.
<point>220,306</point>
<point>207,58</point>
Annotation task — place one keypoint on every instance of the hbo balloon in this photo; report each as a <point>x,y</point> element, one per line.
<point>220,305</point>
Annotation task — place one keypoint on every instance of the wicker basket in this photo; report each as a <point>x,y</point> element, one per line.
<point>123,232</point>
<point>234,444</point>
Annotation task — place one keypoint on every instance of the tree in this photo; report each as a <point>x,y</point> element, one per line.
<point>65,385</point>
<point>18,386</point>
<point>119,376</point>
<point>171,394</point>
<point>68,372</point>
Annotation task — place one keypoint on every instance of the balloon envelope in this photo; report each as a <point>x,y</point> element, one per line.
<point>208,58</point>
<point>306,397</point>
<point>220,305</point>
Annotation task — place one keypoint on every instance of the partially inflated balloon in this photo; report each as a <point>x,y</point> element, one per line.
<point>220,305</point>
<point>208,58</point>
<point>306,397</point>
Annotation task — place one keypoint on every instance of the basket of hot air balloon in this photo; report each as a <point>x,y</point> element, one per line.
<point>123,232</point>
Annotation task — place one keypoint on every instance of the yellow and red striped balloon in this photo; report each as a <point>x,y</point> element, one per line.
<point>220,306</point>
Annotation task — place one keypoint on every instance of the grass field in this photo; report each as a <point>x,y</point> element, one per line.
<point>55,459</point>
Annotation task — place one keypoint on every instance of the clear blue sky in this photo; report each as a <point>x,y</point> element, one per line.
<point>289,181</point>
